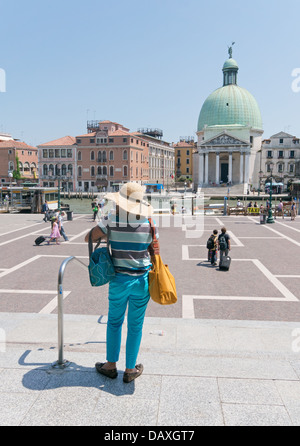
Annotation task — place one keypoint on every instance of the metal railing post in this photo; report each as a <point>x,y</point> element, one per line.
<point>61,362</point>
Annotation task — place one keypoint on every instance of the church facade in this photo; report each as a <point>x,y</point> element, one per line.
<point>229,135</point>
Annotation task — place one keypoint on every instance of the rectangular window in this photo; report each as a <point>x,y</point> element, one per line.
<point>292,154</point>
<point>281,141</point>
<point>280,154</point>
<point>63,153</point>
<point>69,153</point>
<point>57,153</point>
<point>270,154</point>
<point>45,153</point>
<point>110,140</point>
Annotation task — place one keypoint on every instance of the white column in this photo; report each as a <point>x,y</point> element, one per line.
<point>217,168</point>
<point>206,168</point>
<point>230,168</point>
<point>246,179</point>
<point>241,167</point>
<point>201,168</point>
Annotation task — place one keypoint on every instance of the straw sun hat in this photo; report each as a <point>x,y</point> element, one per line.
<point>131,199</point>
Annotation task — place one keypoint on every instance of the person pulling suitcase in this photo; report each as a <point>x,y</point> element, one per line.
<point>224,248</point>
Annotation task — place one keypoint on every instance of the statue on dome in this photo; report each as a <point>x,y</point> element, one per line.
<point>230,50</point>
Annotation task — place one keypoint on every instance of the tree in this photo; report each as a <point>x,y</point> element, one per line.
<point>16,172</point>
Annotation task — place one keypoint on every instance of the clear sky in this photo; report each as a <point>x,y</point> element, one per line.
<point>142,63</point>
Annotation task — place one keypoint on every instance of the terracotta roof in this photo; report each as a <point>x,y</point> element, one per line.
<point>87,134</point>
<point>64,141</point>
<point>184,144</point>
<point>119,133</point>
<point>15,144</point>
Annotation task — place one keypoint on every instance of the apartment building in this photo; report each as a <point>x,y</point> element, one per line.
<point>161,157</point>
<point>57,163</point>
<point>17,155</point>
<point>184,150</point>
<point>280,154</point>
<point>109,155</point>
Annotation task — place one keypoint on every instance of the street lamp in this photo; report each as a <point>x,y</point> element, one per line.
<point>270,218</point>
<point>57,176</point>
<point>260,174</point>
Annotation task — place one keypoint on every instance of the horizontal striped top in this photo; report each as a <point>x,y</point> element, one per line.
<point>129,244</point>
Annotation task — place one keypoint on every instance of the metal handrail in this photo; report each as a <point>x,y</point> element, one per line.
<point>61,362</point>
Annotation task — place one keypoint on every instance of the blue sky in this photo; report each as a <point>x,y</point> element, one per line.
<point>142,63</point>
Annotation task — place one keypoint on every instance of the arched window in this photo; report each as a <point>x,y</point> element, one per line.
<point>21,166</point>
<point>104,170</point>
<point>45,169</point>
<point>111,171</point>
<point>99,156</point>
<point>70,169</point>
<point>92,155</point>
<point>92,171</point>
<point>104,159</point>
<point>79,156</point>
<point>125,171</point>
<point>64,169</point>
<point>79,171</point>
<point>99,170</point>
<point>26,167</point>
<point>111,155</point>
<point>125,155</point>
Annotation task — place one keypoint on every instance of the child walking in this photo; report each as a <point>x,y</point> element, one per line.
<point>55,234</point>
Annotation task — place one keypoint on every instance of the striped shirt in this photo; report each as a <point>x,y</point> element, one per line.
<point>129,244</point>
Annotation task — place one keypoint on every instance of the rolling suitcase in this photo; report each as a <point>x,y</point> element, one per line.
<point>226,260</point>
<point>39,240</point>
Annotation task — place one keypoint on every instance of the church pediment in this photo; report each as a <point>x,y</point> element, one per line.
<point>224,140</point>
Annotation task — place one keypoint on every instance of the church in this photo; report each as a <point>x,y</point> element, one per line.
<point>229,136</point>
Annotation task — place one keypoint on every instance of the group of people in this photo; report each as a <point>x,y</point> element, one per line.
<point>217,243</point>
<point>57,226</point>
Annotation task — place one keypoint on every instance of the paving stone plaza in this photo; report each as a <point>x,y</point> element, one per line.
<point>226,354</point>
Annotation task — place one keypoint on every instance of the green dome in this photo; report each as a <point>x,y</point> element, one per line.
<point>230,64</point>
<point>230,105</point>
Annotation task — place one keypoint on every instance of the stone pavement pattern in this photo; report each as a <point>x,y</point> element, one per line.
<point>231,369</point>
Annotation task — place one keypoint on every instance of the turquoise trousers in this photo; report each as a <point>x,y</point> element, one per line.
<point>133,292</point>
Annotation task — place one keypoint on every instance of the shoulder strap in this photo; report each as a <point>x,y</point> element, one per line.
<point>154,245</point>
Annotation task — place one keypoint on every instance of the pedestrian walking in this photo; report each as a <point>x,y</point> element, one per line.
<point>45,211</point>
<point>293,211</point>
<point>212,246</point>
<point>55,234</point>
<point>129,233</point>
<point>61,225</point>
<point>223,244</point>
<point>95,211</point>
<point>214,250</point>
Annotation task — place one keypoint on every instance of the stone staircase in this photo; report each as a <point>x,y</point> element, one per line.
<point>236,189</point>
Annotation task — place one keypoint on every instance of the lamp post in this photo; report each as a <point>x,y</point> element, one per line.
<point>270,218</point>
<point>260,174</point>
<point>57,176</point>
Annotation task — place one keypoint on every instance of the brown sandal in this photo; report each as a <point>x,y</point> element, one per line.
<point>112,373</point>
<point>128,377</point>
